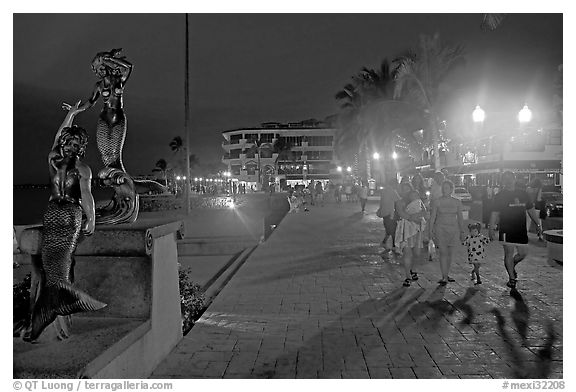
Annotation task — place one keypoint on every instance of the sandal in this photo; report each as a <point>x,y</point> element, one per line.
<point>442,282</point>
<point>478,281</point>
<point>472,275</point>
<point>451,279</point>
<point>511,283</point>
<point>406,283</point>
<point>414,275</point>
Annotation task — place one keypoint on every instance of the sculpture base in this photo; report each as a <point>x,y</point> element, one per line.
<point>90,337</point>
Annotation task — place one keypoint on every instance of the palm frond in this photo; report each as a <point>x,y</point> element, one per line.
<point>491,22</point>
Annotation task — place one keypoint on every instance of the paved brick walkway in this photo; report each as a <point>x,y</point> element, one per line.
<point>317,300</point>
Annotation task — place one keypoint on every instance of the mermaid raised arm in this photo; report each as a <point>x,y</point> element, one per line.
<point>114,62</point>
<point>68,120</point>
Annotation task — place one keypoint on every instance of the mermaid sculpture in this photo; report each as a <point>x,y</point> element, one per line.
<point>62,227</point>
<point>113,72</point>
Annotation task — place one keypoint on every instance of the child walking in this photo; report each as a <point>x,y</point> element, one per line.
<point>476,251</point>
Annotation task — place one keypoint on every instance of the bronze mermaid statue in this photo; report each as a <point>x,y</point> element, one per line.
<point>113,72</point>
<point>70,198</point>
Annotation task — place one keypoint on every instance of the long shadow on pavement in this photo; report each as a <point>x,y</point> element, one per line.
<point>521,368</point>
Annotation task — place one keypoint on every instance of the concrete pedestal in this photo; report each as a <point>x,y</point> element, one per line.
<point>554,240</point>
<point>134,269</point>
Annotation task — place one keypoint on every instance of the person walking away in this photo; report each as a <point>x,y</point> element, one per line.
<point>446,228</point>
<point>388,197</point>
<point>363,195</point>
<point>319,193</point>
<point>311,191</point>
<point>436,188</point>
<point>475,242</point>
<point>348,191</point>
<point>411,243</point>
<point>535,193</point>
<point>487,196</point>
<point>407,228</point>
<point>338,193</point>
<point>418,185</point>
<point>510,207</point>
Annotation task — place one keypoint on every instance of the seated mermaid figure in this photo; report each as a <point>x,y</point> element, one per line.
<point>113,72</point>
<point>62,226</point>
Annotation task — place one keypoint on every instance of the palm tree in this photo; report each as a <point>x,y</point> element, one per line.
<point>370,94</point>
<point>257,147</point>
<point>162,166</point>
<point>419,75</point>
<point>176,144</point>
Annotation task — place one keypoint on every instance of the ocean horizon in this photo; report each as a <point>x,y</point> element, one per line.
<point>30,202</point>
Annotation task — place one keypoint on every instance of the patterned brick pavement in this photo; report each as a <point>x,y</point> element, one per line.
<point>317,300</point>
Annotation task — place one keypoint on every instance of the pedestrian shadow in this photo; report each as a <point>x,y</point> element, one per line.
<point>305,265</point>
<point>429,313</point>
<point>521,367</point>
<point>354,217</point>
<point>341,346</point>
<point>520,315</point>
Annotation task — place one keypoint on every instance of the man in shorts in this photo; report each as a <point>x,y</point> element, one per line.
<point>509,212</point>
<point>388,198</point>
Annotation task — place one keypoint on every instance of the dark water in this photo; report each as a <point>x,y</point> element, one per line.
<point>30,203</point>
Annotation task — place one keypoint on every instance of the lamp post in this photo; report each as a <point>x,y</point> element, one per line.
<point>376,157</point>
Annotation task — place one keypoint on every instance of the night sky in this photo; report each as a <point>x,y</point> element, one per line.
<point>249,68</point>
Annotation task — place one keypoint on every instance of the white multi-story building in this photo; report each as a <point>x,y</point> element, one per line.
<point>293,153</point>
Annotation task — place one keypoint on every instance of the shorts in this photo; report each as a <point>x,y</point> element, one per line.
<point>513,238</point>
<point>389,225</point>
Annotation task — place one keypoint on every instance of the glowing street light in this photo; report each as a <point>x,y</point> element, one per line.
<point>195,178</point>
<point>478,115</point>
<point>525,115</point>
<point>376,156</point>
<point>178,178</point>
<point>339,168</point>
<point>184,178</point>
<point>394,155</point>
<point>349,169</point>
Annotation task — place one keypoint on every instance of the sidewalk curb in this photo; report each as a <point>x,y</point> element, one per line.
<point>218,282</point>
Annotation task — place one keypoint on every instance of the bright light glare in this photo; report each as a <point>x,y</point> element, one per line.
<point>478,115</point>
<point>394,155</point>
<point>339,168</point>
<point>376,156</point>
<point>348,169</point>
<point>525,115</point>
<point>178,178</point>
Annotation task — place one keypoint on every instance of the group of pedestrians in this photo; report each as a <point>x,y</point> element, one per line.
<point>413,215</point>
<point>300,197</point>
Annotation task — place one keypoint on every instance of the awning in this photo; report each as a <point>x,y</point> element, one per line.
<point>525,166</point>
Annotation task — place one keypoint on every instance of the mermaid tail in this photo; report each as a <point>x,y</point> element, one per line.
<point>60,299</point>
<point>125,202</point>
<point>110,140</point>
<point>57,296</point>
<point>110,136</point>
